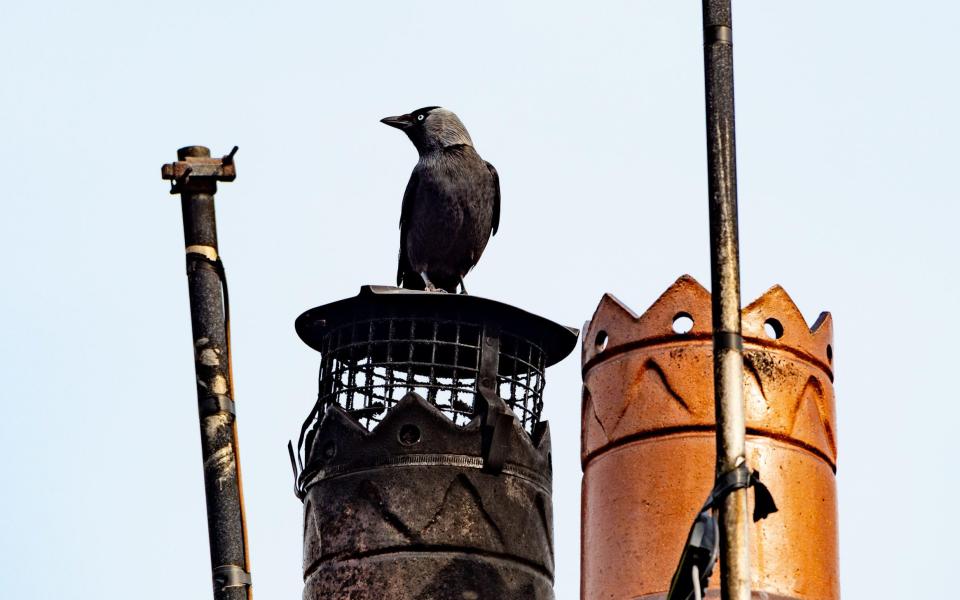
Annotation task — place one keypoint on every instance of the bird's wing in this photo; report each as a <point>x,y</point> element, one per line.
<point>403,263</point>
<point>496,197</point>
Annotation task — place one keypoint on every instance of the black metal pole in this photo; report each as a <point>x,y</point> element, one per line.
<point>725,282</point>
<point>195,176</point>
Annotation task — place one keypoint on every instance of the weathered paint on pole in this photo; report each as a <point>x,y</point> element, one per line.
<point>648,430</point>
<point>195,177</point>
<point>725,282</point>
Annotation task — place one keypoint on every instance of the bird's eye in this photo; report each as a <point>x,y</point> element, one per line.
<point>419,117</point>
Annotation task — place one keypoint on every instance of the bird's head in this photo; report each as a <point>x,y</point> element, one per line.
<point>431,128</point>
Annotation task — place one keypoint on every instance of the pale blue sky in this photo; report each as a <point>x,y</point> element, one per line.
<point>593,115</point>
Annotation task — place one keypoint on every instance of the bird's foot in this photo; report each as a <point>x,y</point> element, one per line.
<point>463,287</point>
<point>428,285</point>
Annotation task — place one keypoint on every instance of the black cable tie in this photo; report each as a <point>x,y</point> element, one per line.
<point>229,576</point>
<point>217,403</point>
<point>739,478</point>
<point>763,503</point>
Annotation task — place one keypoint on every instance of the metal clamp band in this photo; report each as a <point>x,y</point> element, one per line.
<point>727,340</point>
<point>208,251</point>
<point>229,576</point>
<point>217,403</point>
<point>717,34</point>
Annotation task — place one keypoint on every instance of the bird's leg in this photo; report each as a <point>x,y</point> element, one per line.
<point>463,286</point>
<point>428,285</point>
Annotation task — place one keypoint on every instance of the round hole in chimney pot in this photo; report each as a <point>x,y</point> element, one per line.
<point>329,450</point>
<point>773,329</point>
<point>682,323</point>
<point>830,353</point>
<point>602,340</point>
<point>409,434</point>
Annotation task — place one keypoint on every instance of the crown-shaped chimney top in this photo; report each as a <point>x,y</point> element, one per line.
<point>683,311</point>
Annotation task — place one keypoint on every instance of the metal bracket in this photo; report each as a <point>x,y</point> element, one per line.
<point>230,576</point>
<point>497,416</point>
<point>198,169</point>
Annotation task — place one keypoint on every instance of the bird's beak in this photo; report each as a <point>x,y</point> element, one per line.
<point>400,122</point>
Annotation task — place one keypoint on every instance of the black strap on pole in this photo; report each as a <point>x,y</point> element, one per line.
<point>194,177</point>
<point>700,552</point>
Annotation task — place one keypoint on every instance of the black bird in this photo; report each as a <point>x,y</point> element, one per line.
<point>451,206</point>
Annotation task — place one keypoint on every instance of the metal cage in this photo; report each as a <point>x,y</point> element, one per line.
<point>367,366</point>
<point>386,342</point>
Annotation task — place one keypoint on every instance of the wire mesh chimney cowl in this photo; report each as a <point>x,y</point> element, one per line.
<point>425,466</point>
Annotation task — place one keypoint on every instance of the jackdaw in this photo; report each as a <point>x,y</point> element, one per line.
<point>451,206</point>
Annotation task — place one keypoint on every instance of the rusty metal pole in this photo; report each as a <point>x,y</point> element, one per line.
<point>194,177</point>
<point>725,281</point>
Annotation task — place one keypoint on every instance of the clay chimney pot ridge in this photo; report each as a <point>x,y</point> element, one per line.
<point>648,445</point>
